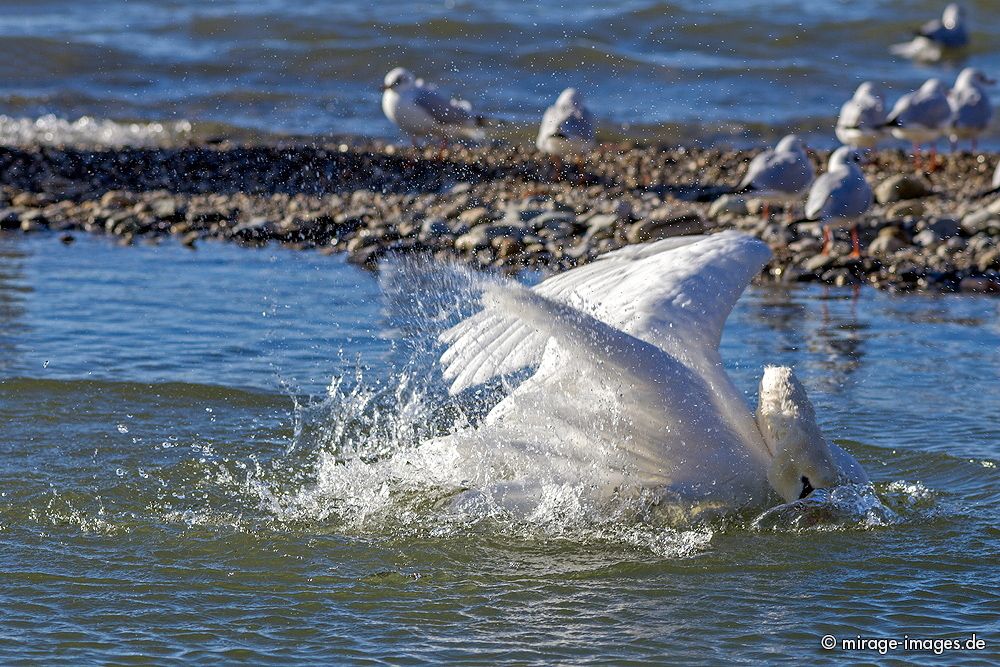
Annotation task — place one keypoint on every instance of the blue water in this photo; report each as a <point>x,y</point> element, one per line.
<point>720,70</point>
<point>167,420</point>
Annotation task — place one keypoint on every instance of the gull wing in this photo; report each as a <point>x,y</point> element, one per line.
<point>674,295</point>
<point>444,111</point>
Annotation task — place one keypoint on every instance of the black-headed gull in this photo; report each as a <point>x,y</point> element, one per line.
<point>567,126</point>
<point>937,38</point>
<point>971,110</point>
<point>419,110</point>
<point>862,117</point>
<point>840,197</point>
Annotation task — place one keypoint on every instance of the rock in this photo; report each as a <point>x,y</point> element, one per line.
<point>601,226</point>
<point>10,219</point>
<point>980,221</point>
<point>905,209</point>
<point>887,242</point>
<point>189,239</point>
<point>990,259</point>
<point>433,229</point>
<point>900,187</point>
<point>728,205</point>
<point>926,238</point>
<point>507,247</point>
<point>945,228</point>
<point>256,230</point>
<point>475,238</point>
<point>474,216</point>
<point>980,285</point>
<point>653,230</point>
<point>808,245</point>
<point>166,209</point>
<point>818,263</point>
<point>552,220</point>
<point>117,199</point>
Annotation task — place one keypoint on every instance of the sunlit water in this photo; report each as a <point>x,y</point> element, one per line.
<point>175,427</point>
<point>730,70</point>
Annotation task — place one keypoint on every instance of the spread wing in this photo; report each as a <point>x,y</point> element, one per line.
<point>674,295</point>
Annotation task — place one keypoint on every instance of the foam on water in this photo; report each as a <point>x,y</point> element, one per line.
<point>87,131</point>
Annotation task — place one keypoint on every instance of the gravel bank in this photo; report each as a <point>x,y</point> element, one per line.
<point>502,207</point>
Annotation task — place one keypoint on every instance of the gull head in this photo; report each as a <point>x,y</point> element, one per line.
<point>790,142</point>
<point>842,157</point>
<point>570,97</point>
<point>934,87</point>
<point>398,78</point>
<point>869,89</point>
<point>971,76</point>
<point>802,460</point>
<point>953,16</point>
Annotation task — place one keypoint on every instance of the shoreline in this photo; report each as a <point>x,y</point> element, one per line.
<point>502,207</point>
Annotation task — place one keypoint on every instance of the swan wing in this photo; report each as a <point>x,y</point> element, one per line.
<point>674,295</point>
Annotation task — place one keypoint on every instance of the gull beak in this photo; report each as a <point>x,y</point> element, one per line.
<point>384,87</point>
<point>990,82</point>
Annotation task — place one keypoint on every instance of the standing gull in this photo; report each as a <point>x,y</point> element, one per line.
<point>862,117</point>
<point>567,126</point>
<point>419,110</point>
<point>970,106</point>
<point>781,174</point>
<point>937,38</point>
<point>922,116</point>
<point>839,197</point>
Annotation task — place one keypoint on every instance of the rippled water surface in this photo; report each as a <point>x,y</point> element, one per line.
<point>168,419</point>
<point>718,69</point>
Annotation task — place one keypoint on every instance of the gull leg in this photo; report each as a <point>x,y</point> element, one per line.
<point>765,213</point>
<point>916,156</point>
<point>827,240</point>
<point>855,242</point>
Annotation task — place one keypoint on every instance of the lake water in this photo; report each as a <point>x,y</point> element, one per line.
<point>737,71</point>
<point>167,419</point>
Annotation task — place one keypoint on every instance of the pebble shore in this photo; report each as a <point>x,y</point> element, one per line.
<point>502,207</point>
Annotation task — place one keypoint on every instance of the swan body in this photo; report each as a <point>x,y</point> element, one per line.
<point>628,380</point>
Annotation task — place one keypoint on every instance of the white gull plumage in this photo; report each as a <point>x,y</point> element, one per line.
<point>419,110</point>
<point>628,378</point>
<point>862,117</point>
<point>567,126</point>
<point>938,37</point>
<point>840,196</point>
<point>782,173</point>
<point>921,116</point>
<point>971,110</point>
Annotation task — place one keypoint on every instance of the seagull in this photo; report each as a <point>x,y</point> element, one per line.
<point>781,174</point>
<point>862,117</point>
<point>839,197</point>
<point>419,110</point>
<point>938,37</point>
<point>567,126</point>
<point>629,392</point>
<point>921,116</point>
<point>970,106</point>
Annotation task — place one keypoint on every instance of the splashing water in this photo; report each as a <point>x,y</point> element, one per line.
<point>402,456</point>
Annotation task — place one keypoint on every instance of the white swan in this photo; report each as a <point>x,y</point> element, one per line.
<point>629,380</point>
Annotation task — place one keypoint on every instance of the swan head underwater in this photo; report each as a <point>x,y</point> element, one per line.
<point>803,460</point>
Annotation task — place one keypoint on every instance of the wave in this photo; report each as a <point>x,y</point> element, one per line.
<point>50,130</point>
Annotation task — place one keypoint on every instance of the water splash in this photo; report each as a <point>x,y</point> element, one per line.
<point>847,506</point>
